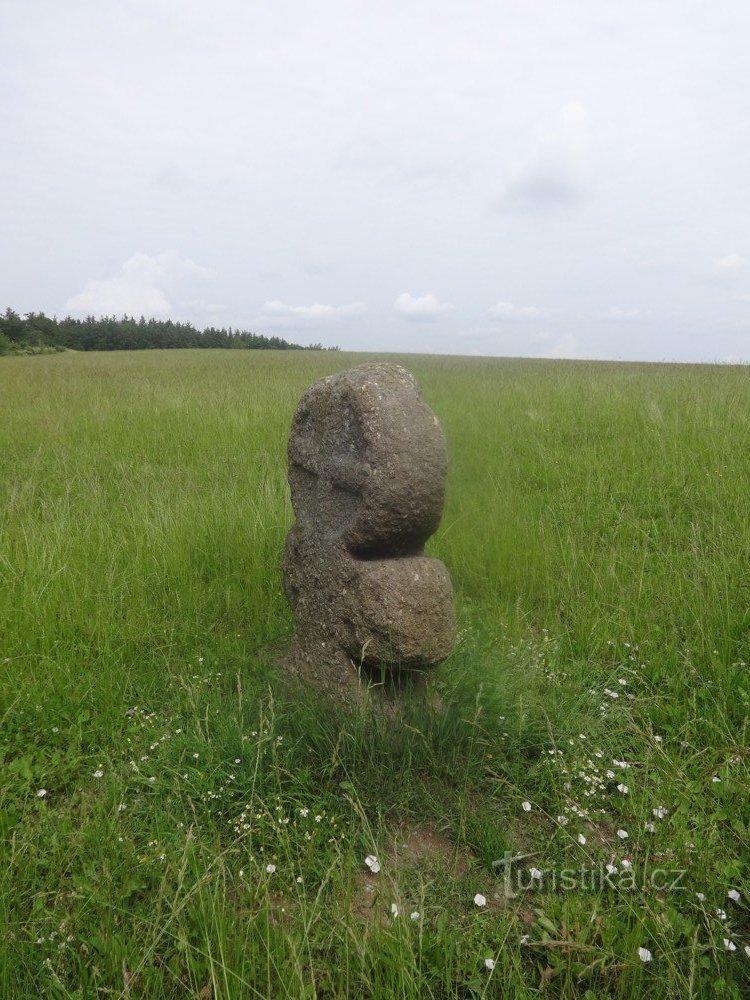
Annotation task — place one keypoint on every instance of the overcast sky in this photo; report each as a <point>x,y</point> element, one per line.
<point>565,179</point>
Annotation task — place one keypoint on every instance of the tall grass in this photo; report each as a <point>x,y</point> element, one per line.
<point>597,533</point>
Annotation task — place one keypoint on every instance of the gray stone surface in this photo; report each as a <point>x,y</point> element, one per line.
<point>367,466</point>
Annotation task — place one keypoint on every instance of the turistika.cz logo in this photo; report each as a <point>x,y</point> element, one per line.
<point>622,877</point>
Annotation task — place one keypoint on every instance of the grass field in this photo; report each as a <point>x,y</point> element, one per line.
<point>177,821</point>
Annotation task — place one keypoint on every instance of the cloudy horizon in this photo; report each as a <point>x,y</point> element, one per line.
<point>508,178</point>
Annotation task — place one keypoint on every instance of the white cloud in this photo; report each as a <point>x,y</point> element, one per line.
<point>277,313</point>
<point>117,297</point>
<point>559,171</point>
<point>618,313</point>
<point>729,264</point>
<point>566,347</point>
<point>507,310</point>
<point>422,309</point>
<point>146,286</point>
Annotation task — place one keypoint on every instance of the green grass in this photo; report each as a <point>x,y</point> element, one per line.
<point>597,529</point>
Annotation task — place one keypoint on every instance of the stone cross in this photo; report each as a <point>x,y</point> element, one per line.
<point>367,466</point>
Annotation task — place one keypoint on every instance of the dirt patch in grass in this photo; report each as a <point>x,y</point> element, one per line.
<point>419,845</point>
<point>418,851</point>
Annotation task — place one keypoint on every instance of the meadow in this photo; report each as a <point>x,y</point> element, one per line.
<point>177,820</point>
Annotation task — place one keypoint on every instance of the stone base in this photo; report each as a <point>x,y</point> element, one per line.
<point>342,681</point>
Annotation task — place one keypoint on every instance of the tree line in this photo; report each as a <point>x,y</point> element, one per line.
<point>36,333</point>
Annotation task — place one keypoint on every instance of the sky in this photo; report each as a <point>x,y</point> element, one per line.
<point>517,177</point>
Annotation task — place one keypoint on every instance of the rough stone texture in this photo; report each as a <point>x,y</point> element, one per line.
<point>367,465</point>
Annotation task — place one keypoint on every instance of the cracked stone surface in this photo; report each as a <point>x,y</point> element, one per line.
<point>367,467</point>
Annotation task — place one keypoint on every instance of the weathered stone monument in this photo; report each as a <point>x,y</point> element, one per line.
<point>367,467</point>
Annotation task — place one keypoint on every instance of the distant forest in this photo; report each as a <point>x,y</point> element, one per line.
<point>36,333</point>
